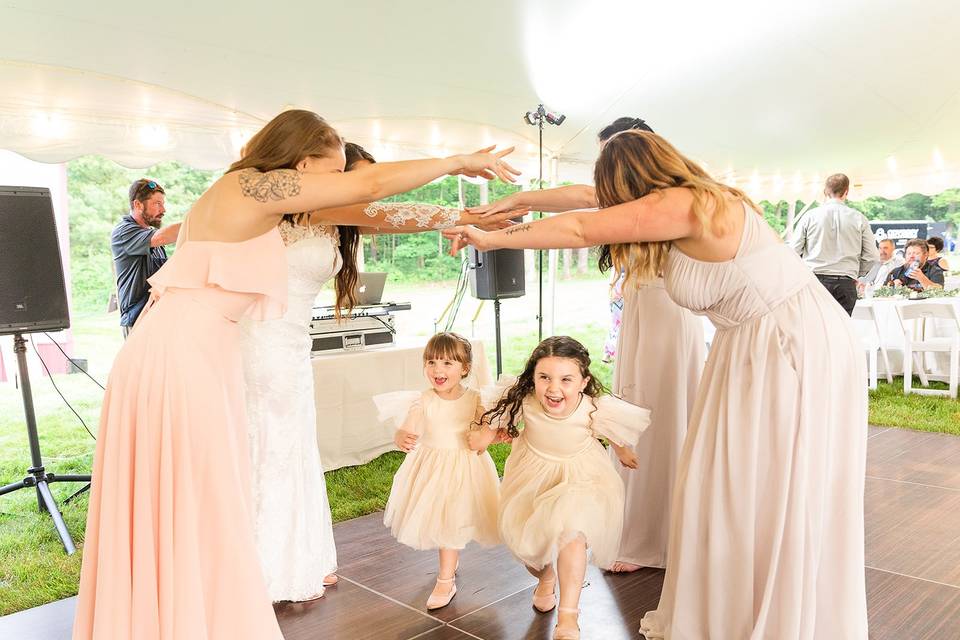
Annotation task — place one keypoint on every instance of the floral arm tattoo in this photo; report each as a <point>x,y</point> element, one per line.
<point>271,185</point>
<point>424,216</point>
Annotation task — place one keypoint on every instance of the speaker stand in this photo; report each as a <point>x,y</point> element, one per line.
<point>37,477</point>
<point>496,328</point>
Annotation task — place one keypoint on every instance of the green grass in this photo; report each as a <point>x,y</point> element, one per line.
<point>33,568</point>
<point>890,408</point>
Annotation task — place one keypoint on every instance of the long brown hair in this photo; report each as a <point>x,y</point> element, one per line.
<point>283,143</point>
<point>346,282</point>
<point>286,140</point>
<point>633,164</point>
<point>510,405</point>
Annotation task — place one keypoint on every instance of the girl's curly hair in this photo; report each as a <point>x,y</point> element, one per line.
<point>511,404</point>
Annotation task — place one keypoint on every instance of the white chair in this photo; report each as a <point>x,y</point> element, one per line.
<point>920,312</point>
<point>869,331</point>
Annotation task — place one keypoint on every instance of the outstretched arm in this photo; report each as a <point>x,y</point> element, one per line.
<point>567,198</point>
<point>403,217</point>
<point>285,190</point>
<point>667,215</point>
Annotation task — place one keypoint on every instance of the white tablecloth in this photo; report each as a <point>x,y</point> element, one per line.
<point>891,334</point>
<point>348,432</point>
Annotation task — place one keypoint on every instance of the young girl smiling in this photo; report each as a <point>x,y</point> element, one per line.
<point>444,495</point>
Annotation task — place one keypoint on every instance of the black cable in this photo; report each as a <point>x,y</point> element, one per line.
<point>384,323</point>
<point>72,361</point>
<point>53,382</point>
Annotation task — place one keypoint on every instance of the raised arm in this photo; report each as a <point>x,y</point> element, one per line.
<point>165,235</point>
<point>285,190</point>
<point>404,217</point>
<point>574,196</point>
<point>667,215</point>
<point>248,202</point>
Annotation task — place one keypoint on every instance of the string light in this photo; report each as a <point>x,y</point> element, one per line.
<point>239,138</point>
<point>154,135</point>
<point>48,125</point>
<point>938,163</point>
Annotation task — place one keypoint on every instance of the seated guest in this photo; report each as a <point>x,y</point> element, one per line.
<point>137,242</point>
<point>889,260</point>
<point>934,247</point>
<point>917,273</point>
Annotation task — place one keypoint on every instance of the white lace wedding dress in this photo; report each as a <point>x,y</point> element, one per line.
<point>292,522</point>
<point>294,532</point>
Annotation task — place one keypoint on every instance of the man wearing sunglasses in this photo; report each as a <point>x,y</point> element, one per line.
<point>137,242</point>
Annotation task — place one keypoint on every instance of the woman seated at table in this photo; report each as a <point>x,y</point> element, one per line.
<point>917,273</point>
<point>934,247</point>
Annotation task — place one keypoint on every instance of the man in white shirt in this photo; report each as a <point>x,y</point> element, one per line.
<point>889,260</point>
<point>837,243</point>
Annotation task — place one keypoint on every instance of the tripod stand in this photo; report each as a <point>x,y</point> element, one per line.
<point>37,477</point>
<point>536,118</point>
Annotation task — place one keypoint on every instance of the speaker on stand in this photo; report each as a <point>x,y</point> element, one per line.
<point>33,299</point>
<point>495,275</point>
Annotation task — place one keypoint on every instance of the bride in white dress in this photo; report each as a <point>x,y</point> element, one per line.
<point>292,521</point>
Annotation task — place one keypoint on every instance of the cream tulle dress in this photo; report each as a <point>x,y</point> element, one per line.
<point>444,495</point>
<point>559,483</point>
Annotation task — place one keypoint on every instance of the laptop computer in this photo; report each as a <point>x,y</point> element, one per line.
<point>370,288</point>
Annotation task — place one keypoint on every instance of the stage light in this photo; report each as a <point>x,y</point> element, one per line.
<point>540,115</point>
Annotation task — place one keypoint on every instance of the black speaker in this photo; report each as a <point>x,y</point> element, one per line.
<point>33,296</point>
<point>495,275</point>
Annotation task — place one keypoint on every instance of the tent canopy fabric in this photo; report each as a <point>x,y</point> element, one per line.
<point>770,96</point>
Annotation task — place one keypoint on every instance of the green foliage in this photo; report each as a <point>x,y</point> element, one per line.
<point>943,207</point>
<point>422,257</point>
<point>97,193</point>
<point>948,205</point>
<point>774,214</point>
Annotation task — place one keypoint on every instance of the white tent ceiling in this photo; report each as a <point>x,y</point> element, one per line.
<point>771,95</point>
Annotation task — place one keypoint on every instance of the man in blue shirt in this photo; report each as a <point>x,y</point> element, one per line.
<point>137,243</point>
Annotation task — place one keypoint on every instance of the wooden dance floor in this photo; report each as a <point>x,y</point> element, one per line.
<point>912,558</point>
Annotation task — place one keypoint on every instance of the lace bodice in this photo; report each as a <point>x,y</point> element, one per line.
<point>292,233</point>
<point>313,258</point>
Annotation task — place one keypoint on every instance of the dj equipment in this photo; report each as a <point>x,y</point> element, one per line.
<point>33,299</point>
<point>496,274</point>
<point>367,326</point>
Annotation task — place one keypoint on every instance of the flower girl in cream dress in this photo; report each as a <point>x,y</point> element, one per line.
<point>444,495</point>
<point>561,494</point>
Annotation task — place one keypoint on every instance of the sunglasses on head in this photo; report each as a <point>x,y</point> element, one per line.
<point>149,185</point>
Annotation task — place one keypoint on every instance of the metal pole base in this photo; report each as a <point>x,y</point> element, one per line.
<point>38,478</point>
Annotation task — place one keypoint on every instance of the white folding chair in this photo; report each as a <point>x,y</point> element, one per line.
<point>866,316</point>
<point>912,344</point>
<point>866,322</point>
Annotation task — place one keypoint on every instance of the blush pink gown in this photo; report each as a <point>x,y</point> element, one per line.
<point>169,552</point>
